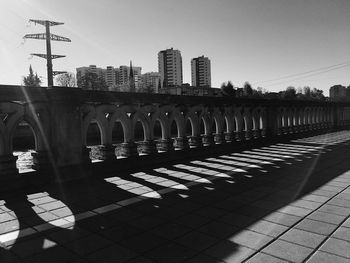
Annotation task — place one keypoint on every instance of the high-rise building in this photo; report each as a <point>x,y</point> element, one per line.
<point>201,72</point>
<point>111,76</point>
<point>124,74</point>
<point>170,67</point>
<point>150,81</point>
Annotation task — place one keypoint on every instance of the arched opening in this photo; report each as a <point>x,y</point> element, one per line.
<point>188,128</point>
<point>117,136</point>
<point>214,127</point>
<point>157,131</point>
<point>261,124</point>
<point>174,130</point>
<point>23,144</point>
<point>94,140</point>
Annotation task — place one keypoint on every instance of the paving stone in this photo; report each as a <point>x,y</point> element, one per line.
<point>141,259</point>
<point>287,251</point>
<point>171,252</point>
<point>332,188</point>
<point>346,223</point>
<point>88,244</point>
<point>268,228</point>
<point>52,205</point>
<point>219,229</point>
<point>317,227</point>
<point>120,232</point>
<point>197,241</point>
<point>295,211</point>
<point>52,255</point>
<point>326,217</point>
<point>32,247</point>
<point>324,193</point>
<point>237,220</point>
<point>340,202</point>
<point>303,238</point>
<point>171,230</point>
<point>315,198</point>
<point>333,209</point>
<point>5,217</point>
<point>337,246</point>
<point>64,236</point>
<point>112,254</point>
<point>323,257</point>
<point>202,258</point>
<point>192,220</point>
<point>250,239</point>
<point>12,225</point>
<point>211,212</point>
<point>261,257</point>
<point>143,242</point>
<point>229,252</point>
<point>342,233</point>
<point>282,219</point>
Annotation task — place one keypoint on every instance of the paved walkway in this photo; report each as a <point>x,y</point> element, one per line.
<point>283,203</point>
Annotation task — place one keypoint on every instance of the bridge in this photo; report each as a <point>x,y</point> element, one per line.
<point>240,180</point>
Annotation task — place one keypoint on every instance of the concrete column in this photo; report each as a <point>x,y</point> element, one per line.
<point>256,134</point>
<point>248,135</point>
<point>148,147</point>
<point>66,128</point>
<point>85,155</point>
<point>195,141</point>
<point>239,136</point>
<point>41,160</point>
<point>8,169</point>
<point>181,143</point>
<point>229,136</point>
<point>208,140</point>
<point>107,152</point>
<point>165,145</point>
<point>219,138</point>
<point>128,149</point>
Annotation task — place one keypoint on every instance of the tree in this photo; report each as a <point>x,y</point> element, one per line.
<point>290,93</point>
<point>247,89</point>
<point>227,89</point>
<point>317,94</point>
<point>66,80</point>
<point>307,92</point>
<point>92,81</point>
<point>31,80</point>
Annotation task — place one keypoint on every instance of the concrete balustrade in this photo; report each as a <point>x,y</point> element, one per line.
<point>60,117</point>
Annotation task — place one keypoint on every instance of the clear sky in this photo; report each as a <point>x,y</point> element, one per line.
<point>246,40</point>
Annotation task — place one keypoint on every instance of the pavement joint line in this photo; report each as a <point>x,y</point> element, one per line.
<point>12,235</point>
<point>68,219</point>
<point>292,227</point>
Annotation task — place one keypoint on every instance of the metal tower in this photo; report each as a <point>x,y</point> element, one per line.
<point>48,37</point>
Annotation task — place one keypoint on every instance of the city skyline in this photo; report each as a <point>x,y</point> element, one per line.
<point>250,40</point>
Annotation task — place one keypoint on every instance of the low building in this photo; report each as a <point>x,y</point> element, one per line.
<point>188,90</point>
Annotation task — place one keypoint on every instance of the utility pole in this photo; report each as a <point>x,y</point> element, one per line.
<point>48,37</point>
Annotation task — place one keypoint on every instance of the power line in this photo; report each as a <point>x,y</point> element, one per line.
<point>310,75</point>
<point>321,70</point>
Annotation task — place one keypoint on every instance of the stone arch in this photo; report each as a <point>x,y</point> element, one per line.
<point>179,116</point>
<point>140,116</point>
<point>120,115</point>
